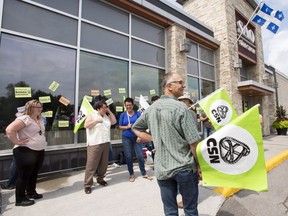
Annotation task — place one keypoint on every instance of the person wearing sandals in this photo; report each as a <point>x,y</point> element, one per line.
<point>27,132</point>
<point>175,137</point>
<point>97,125</point>
<point>130,140</point>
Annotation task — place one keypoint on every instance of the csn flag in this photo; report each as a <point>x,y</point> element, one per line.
<point>143,103</point>
<point>218,108</point>
<point>269,18</point>
<point>234,156</point>
<point>84,111</point>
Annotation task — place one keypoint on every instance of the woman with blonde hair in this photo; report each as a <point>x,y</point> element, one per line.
<point>27,132</point>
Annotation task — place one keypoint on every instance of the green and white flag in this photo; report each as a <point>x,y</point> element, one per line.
<point>218,108</point>
<point>84,111</point>
<point>234,155</point>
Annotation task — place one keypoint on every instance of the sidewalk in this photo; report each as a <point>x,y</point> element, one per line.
<point>64,193</point>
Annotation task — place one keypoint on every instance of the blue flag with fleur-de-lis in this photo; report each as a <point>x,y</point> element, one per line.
<point>269,18</point>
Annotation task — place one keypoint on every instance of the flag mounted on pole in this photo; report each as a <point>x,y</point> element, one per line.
<point>84,111</point>
<point>269,18</point>
<point>218,108</point>
<point>234,155</point>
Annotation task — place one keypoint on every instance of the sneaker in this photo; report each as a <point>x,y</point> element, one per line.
<point>115,165</point>
<point>87,190</point>
<point>34,196</point>
<point>102,182</point>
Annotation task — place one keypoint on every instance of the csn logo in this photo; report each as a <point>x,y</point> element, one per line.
<point>232,154</point>
<point>80,116</point>
<point>221,112</point>
<point>229,149</point>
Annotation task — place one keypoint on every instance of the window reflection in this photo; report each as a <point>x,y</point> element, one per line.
<point>144,79</point>
<point>103,73</point>
<point>207,88</point>
<point>28,63</point>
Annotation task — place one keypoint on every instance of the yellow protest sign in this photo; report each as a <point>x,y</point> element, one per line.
<point>45,99</point>
<point>48,114</point>
<point>95,92</point>
<point>63,124</point>
<point>64,101</point>
<point>107,92</point>
<point>122,90</point>
<point>54,85</point>
<point>119,109</point>
<point>22,92</point>
<point>152,92</point>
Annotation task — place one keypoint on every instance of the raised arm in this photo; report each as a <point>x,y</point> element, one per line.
<point>112,117</point>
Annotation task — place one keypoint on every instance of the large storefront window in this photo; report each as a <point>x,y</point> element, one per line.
<point>28,19</point>
<point>146,81</point>
<point>201,74</point>
<point>36,65</point>
<point>118,59</point>
<point>109,77</point>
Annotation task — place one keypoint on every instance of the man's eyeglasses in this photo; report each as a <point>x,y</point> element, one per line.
<point>178,82</point>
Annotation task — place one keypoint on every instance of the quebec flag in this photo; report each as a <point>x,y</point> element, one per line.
<point>269,18</point>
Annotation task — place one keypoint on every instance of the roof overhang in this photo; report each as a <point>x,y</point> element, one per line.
<point>252,88</point>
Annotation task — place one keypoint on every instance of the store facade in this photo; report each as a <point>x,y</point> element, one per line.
<point>60,51</point>
<point>240,67</point>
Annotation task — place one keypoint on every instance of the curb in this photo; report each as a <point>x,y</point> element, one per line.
<point>270,164</point>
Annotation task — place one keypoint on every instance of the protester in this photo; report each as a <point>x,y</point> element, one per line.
<point>207,125</point>
<point>151,147</point>
<point>175,137</point>
<point>154,98</point>
<point>13,175</point>
<point>27,132</point>
<point>130,140</point>
<point>111,158</point>
<point>97,125</point>
<point>185,98</point>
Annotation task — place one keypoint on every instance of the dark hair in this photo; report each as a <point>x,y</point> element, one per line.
<point>99,104</point>
<point>128,99</point>
<point>154,98</point>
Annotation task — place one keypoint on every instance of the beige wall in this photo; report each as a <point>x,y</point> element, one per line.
<point>176,60</point>
<point>282,81</point>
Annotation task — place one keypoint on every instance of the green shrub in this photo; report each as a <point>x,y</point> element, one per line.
<point>280,124</point>
<point>281,119</point>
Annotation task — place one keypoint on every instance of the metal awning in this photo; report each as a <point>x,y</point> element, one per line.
<point>253,88</point>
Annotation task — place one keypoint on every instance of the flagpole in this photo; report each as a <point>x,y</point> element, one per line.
<point>254,12</point>
<point>214,92</point>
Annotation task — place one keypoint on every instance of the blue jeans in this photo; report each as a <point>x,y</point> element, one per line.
<point>13,174</point>
<point>187,182</point>
<point>129,143</point>
<point>208,132</point>
<point>111,157</point>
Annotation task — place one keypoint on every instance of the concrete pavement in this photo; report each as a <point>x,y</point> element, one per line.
<point>64,194</point>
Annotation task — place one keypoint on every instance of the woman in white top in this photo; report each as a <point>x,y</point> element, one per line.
<point>97,125</point>
<point>27,132</point>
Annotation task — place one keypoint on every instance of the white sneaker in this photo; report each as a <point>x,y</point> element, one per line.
<point>115,165</point>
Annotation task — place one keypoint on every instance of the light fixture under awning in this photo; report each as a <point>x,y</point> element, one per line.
<point>253,88</point>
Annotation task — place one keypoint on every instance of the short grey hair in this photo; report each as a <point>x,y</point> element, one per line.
<point>166,78</point>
